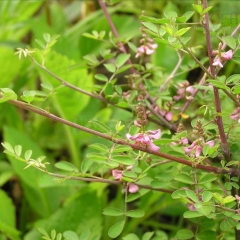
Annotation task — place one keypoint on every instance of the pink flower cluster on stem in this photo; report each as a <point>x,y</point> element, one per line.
<point>118,174</point>
<point>236,115</point>
<point>147,47</point>
<point>184,91</point>
<point>196,147</point>
<point>146,139</point>
<point>225,56</point>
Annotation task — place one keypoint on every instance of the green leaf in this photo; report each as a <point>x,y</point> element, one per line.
<point>198,8</point>
<point>208,234</point>
<point>182,31</point>
<point>209,177</point>
<point>101,77</point>
<point>66,166</point>
<point>131,236</point>
<point>109,89</point>
<point>116,229</point>
<point>85,235</point>
<point>7,217</point>
<point>43,232</point>
<point>100,126</point>
<point>28,96</point>
<point>96,157</point>
<point>206,196</point>
<point>136,213</point>
<point>130,174</point>
<point>227,224</point>
<point>228,199</point>
<point>47,86</point>
<point>122,148</point>
<point>185,17</point>
<point>179,194</point>
<point>18,150</point>
<point>159,184</point>
<point>218,84</point>
<point>40,43</point>
<point>86,164</point>
<point>123,104</point>
<point>70,235</point>
<point>147,235</point>
<point>47,37</point>
<point>230,41</point>
<point>192,195</point>
<point>192,214</point>
<point>122,59</point>
<point>154,20</point>
<point>53,234</point>
<point>170,15</point>
<point>125,160</point>
<point>235,78</point>
<point>112,211</point>
<point>8,147</point>
<point>150,26</point>
<point>100,147</point>
<point>182,177</point>
<point>110,67</point>
<point>236,89</point>
<point>204,209</point>
<point>7,94</point>
<point>184,234</point>
<point>206,10</point>
<point>27,155</point>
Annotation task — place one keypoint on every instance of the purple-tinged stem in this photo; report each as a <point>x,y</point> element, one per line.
<point>53,117</point>
<point>215,90</point>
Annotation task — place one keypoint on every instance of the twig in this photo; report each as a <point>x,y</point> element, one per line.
<point>215,89</point>
<point>122,142</point>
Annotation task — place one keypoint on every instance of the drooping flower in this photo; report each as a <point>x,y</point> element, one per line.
<point>132,188</point>
<point>147,47</point>
<point>184,91</point>
<point>117,174</point>
<point>146,139</point>
<point>237,198</point>
<point>221,56</point>
<point>196,147</point>
<point>218,63</point>
<point>236,115</point>
<point>227,55</point>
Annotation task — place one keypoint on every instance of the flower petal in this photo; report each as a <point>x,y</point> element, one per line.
<point>132,188</point>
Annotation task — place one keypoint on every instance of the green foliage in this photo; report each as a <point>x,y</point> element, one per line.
<point>93,96</point>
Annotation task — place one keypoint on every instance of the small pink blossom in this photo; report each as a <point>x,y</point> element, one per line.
<point>237,198</point>
<point>167,114</point>
<point>147,47</point>
<point>117,174</point>
<point>132,188</point>
<point>227,55</point>
<point>218,63</point>
<point>145,139</point>
<point>196,147</point>
<point>236,115</point>
<point>184,91</point>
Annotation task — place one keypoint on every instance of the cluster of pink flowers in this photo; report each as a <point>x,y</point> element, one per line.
<point>184,91</point>
<point>225,56</point>
<point>236,115</point>
<point>196,147</point>
<point>146,139</point>
<point>166,114</point>
<point>147,47</point>
<point>117,174</point>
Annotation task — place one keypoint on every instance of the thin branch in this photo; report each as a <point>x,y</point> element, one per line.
<point>215,89</point>
<point>101,180</point>
<point>122,142</point>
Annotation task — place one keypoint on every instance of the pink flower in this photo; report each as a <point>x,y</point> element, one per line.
<point>117,174</point>
<point>218,63</point>
<point>236,115</point>
<point>167,114</point>
<point>196,147</point>
<point>237,198</point>
<point>147,47</point>
<point>227,55</point>
<point>145,139</point>
<point>184,91</point>
<point>132,188</point>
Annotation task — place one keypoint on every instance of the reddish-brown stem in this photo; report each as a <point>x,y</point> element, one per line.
<point>202,81</point>
<point>120,141</point>
<point>215,89</point>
